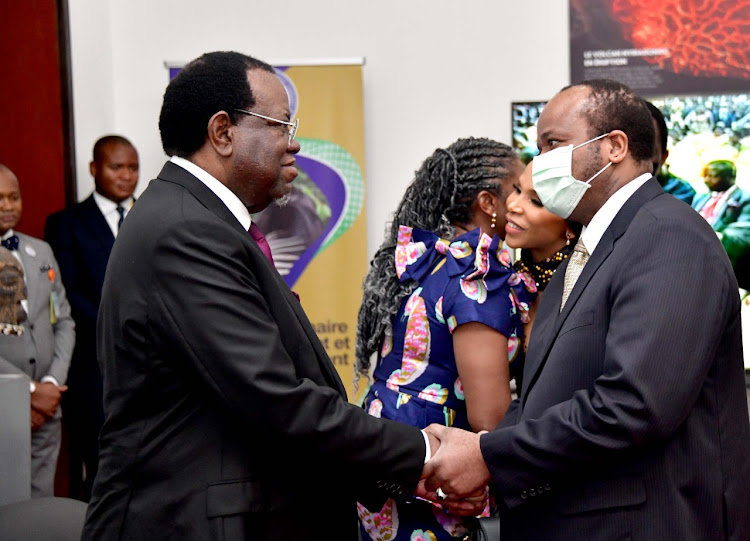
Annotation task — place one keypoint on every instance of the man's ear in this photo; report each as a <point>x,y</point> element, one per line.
<point>92,168</point>
<point>619,146</point>
<point>220,133</point>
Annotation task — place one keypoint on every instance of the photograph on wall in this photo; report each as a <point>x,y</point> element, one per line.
<point>524,116</point>
<point>662,46</point>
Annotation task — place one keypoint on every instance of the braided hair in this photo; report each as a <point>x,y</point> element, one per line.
<point>441,195</point>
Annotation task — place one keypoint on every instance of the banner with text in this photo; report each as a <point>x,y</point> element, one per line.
<point>319,239</point>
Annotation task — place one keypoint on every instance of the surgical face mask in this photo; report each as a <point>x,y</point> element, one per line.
<point>552,178</point>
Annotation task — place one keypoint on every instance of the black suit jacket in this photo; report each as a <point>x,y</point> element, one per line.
<point>633,420</point>
<point>225,418</point>
<point>82,242</point>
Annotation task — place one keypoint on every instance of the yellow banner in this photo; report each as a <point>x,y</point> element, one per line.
<point>319,239</point>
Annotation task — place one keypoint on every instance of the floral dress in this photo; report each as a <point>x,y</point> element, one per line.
<point>416,380</point>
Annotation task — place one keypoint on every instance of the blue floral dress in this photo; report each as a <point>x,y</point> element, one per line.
<point>416,380</point>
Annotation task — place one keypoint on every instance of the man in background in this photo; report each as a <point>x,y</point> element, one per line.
<point>727,208</point>
<point>82,237</point>
<point>42,350</point>
<point>671,184</point>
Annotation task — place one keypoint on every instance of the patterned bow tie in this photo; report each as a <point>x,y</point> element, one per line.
<point>11,243</point>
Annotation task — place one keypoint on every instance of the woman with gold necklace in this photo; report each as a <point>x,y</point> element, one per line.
<point>545,240</point>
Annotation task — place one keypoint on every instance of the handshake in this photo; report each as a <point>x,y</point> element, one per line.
<point>456,475</point>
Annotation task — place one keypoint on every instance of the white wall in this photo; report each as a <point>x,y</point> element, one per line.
<point>93,82</point>
<point>435,70</point>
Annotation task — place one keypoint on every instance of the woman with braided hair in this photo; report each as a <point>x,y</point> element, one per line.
<point>444,311</point>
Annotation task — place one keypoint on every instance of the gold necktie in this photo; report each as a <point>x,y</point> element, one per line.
<point>575,265</point>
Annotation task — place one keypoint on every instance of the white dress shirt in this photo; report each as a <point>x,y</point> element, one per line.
<point>108,209</point>
<point>592,233</point>
<point>226,195</point>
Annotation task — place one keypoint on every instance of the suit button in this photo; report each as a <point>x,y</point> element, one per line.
<point>524,495</point>
<point>547,488</point>
<point>540,490</point>
<point>532,492</point>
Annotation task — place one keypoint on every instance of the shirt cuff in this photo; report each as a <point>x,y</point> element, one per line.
<point>50,379</point>
<point>427,450</point>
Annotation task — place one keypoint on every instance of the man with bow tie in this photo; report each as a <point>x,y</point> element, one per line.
<point>43,350</point>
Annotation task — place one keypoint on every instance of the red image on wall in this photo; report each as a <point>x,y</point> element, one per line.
<point>658,46</point>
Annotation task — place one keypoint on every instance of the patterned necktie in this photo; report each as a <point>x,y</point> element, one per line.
<point>121,211</point>
<point>575,265</point>
<point>258,237</point>
<point>11,243</point>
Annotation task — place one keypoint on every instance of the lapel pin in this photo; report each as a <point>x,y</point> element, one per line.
<point>30,251</point>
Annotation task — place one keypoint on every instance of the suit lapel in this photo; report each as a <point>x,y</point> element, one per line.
<point>32,274</point>
<point>96,223</point>
<point>549,315</point>
<point>176,174</point>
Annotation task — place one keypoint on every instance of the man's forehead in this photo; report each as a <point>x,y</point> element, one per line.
<point>563,109</point>
<point>110,149</point>
<point>8,179</point>
<point>267,87</point>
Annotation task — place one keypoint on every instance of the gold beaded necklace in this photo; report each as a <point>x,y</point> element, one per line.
<point>542,271</point>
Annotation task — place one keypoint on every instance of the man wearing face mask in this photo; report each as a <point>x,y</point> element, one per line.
<point>632,422</point>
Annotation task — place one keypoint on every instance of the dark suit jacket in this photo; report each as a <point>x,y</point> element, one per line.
<point>633,420</point>
<point>82,241</point>
<point>225,418</point>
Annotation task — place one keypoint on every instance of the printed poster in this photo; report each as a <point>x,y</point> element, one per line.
<point>660,47</point>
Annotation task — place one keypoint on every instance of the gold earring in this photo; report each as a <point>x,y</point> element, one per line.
<point>494,219</point>
<point>568,236</point>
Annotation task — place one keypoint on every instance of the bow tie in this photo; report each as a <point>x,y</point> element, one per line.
<point>11,243</point>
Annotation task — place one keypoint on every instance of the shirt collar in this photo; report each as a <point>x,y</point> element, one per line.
<point>226,195</point>
<point>592,234</point>
<point>107,205</point>
<point>8,234</point>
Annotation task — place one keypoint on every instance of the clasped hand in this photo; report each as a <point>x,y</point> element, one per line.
<point>44,402</point>
<point>457,468</point>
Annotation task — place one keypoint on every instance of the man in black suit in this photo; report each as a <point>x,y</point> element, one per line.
<point>225,418</point>
<point>632,423</point>
<point>82,237</point>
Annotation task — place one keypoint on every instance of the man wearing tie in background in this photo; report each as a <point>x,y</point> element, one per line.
<point>225,418</point>
<point>82,237</point>
<point>43,350</point>
<point>632,423</point>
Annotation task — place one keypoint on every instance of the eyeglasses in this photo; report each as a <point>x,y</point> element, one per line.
<point>292,125</point>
